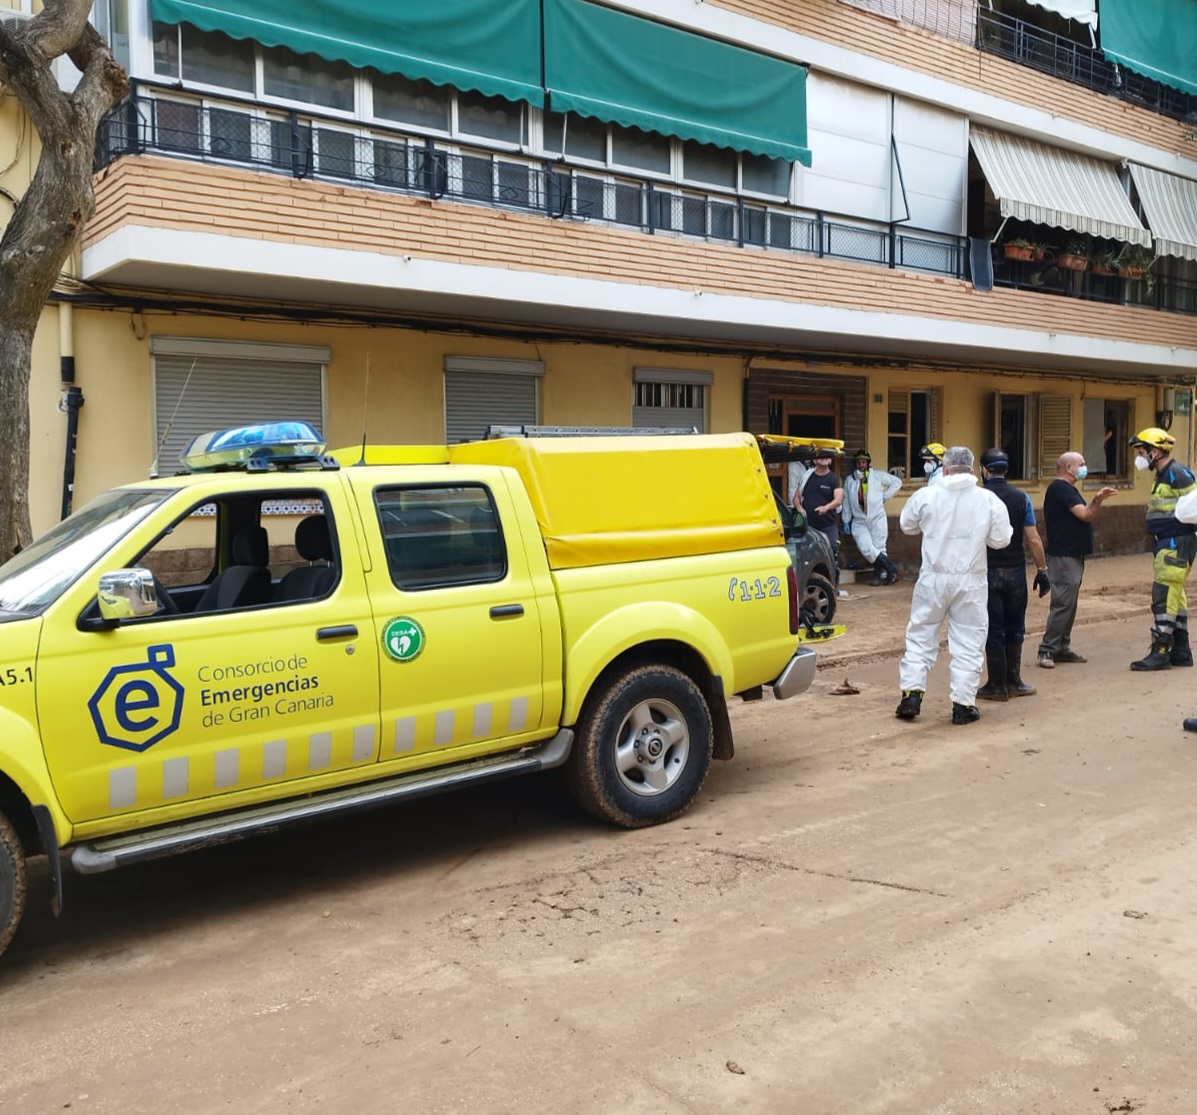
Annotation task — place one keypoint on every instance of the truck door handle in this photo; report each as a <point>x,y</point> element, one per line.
<point>343,631</point>
<point>502,611</point>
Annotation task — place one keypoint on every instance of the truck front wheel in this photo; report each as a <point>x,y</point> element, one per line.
<point>12,882</point>
<point>643,747</point>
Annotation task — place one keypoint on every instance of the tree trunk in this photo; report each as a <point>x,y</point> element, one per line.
<point>48,220</point>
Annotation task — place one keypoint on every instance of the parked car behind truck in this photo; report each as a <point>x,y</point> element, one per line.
<point>454,614</point>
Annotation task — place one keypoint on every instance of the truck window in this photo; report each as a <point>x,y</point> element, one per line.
<point>246,551</point>
<point>437,536</point>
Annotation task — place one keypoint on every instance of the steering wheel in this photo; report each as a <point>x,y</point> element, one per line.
<point>166,602</point>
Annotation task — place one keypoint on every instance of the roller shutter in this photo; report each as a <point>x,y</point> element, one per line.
<point>197,393</point>
<point>479,393</point>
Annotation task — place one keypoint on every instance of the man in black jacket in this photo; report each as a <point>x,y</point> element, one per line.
<point>1008,584</point>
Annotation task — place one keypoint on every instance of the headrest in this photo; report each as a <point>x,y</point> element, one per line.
<point>251,546</point>
<point>313,540</point>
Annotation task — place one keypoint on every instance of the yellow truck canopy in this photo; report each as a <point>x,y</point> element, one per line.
<point>600,500</point>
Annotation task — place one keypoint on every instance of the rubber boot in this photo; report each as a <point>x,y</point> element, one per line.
<point>910,705</point>
<point>965,714</point>
<point>879,571</point>
<point>1182,653</point>
<point>1015,686</point>
<point>1190,724</point>
<point>995,688</point>
<point>1159,657</point>
<point>891,566</point>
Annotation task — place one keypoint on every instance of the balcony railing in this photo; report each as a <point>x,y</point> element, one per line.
<point>303,145</point>
<point>1079,63</point>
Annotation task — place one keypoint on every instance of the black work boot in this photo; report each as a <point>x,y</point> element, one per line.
<point>910,705</point>
<point>891,567</point>
<point>1190,724</point>
<point>878,572</point>
<point>1182,653</point>
<point>1159,657</point>
<point>965,714</point>
<point>995,688</point>
<point>1015,686</point>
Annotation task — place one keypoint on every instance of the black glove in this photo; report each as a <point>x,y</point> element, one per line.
<point>1041,583</point>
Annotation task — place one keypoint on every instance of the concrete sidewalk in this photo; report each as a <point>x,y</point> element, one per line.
<point>1114,588</point>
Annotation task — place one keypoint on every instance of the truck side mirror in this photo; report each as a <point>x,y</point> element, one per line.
<point>127,594</point>
<point>798,522</point>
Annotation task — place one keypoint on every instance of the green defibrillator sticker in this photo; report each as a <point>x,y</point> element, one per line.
<point>403,639</point>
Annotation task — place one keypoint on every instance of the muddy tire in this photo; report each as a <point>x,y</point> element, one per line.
<point>12,882</point>
<point>819,598</point>
<point>643,748</point>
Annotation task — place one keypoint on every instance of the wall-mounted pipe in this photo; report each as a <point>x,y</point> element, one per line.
<point>71,402</point>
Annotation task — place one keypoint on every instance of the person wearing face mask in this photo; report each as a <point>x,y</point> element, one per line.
<point>1069,522</point>
<point>1173,550</point>
<point>932,455</point>
<point>1186,512</point>
<point>959,521</point>
<point>863,513</point>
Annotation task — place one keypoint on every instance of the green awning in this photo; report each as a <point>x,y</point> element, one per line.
<point>626,70</point>
<point>488,46</point>
<point>1155,38</point>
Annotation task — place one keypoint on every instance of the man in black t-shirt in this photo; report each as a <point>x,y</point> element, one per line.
<point>1069,522</point>
<point>819,496</point>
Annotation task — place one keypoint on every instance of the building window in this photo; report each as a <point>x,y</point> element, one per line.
<point>914,420</point>
<point>670,397</point>
<point>1034,430</point>
<point>480,392</point>
<point>206,57</point>
<point>1106,430</point>
<point>201,386</point>
<point>307,78</point>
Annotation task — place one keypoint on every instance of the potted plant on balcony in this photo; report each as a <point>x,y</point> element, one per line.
<point>1134,262</point>
<point>1018,249</point>
<point>1040,250</point>
<point>1104,262</point>
<point>1075,256</point>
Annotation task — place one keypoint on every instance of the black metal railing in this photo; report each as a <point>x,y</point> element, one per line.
<point>306,145</point>
<point>1159,292</point>
<point>1079,63</point>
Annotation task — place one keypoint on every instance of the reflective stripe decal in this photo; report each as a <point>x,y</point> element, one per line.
<point>444,728</point>
<point>174,778</point>
<point>122,788</point>
<point>517,720</point>
<point>274,758</point>
<point>363,743</point>
<point>319,750</point>
<point>227,767</point>
<point>482,718</point>
<point>405,734</point>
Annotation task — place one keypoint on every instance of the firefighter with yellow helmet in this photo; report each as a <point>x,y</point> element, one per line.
<point>1173,550</point>
<point>932,455</point>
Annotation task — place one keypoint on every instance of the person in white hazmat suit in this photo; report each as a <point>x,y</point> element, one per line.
<point>958,519</point>
<point>863,512</point>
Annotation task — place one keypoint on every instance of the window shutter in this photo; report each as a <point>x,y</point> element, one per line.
<point>937,414</point>
<point>194,394</point>
<point>477,399</point>
<point>1055,431</point>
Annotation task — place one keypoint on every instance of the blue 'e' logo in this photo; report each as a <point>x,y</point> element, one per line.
<point>136,706</point>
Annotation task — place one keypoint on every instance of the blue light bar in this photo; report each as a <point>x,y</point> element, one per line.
<point>263,444</point>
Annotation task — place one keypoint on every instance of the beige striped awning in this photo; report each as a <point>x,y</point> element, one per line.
<point>1051,186</point>
<point>1170,203</point>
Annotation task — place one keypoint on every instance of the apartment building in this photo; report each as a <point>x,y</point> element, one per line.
<point>891,221</point>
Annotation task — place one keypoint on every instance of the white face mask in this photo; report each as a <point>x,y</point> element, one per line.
<point>1142,463</point>
<point>929,467</point>
<point>859,473</point>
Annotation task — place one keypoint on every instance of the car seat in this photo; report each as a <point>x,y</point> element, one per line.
<point>309,582</point>
<point>246,582</point>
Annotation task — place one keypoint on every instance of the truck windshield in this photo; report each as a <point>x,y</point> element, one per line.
<point>37,576</point>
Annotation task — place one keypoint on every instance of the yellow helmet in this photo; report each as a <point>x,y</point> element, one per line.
<point>1153,438</point>
<point>933,450</point>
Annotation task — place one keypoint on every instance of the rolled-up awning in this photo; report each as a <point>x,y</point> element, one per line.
<point>622,69</point>
<point>1051,186</point>
<point>1170,203</point>
<point>1083,11</point>
<point>488,46</point>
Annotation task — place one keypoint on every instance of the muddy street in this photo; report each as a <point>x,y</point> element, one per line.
<point>860,915</point>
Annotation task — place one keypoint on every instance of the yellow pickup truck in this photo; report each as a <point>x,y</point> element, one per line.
<point>278,633</point>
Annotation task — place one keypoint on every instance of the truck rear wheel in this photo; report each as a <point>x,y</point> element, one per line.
<point>643,748</point>
<point>12,882</point>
